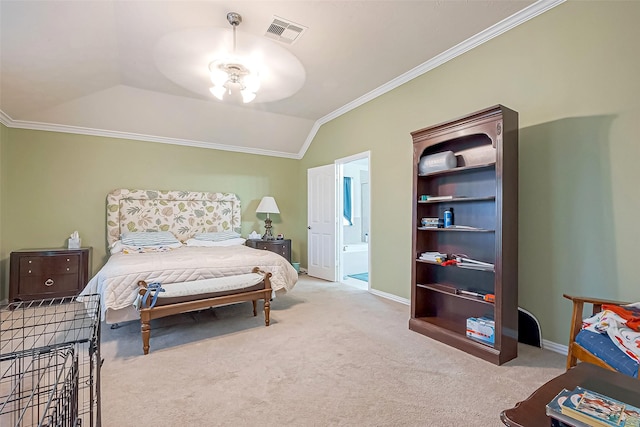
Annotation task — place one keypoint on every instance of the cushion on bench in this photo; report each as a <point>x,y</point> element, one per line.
<point>600,345</point>
<point>209,288</point>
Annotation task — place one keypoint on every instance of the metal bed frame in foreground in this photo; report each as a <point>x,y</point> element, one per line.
<point>50,362</point>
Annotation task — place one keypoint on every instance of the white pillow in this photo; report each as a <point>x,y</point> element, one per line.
<point>148,238</point>
<point>217,236</point>
<point>117,246</point>
<point>209,243</point>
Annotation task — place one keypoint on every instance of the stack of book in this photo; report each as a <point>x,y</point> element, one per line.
<point>585,408</point>
<point>433,256</point>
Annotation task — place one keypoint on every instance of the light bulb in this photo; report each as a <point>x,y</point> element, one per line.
<point>252,82</point>
<point>218,77</point>
<point>218,91</point>
<point>247,96</point>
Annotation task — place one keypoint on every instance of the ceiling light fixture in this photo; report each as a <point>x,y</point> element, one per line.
<point>231,73</point>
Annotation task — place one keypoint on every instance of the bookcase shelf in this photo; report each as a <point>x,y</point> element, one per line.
<point>449,230</point>
<point>459,199</point>
<point>449,332</point>
<point>437,287</point>
<point>484,189</point>
<point>469,268</point>
<point>458,170</point>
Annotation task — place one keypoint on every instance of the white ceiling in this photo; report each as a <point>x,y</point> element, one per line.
<point>96,66</point>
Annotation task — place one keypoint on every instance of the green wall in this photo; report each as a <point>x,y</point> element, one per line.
<point>572,74</point>
<point>55,183</point>
<point>4,263</point>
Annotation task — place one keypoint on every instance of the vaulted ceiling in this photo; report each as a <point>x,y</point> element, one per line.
<point>138,69</point>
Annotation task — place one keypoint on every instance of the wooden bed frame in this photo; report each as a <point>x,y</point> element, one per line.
<point>148,313</point>
<point>183,213</point>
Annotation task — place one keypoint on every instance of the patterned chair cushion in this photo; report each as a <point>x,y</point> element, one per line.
<point>600,345</point>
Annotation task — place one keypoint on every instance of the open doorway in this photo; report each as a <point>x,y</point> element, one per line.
<point>354,235</point>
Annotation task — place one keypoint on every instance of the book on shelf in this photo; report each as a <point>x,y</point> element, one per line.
<point>597,410</point>
<point>462,227</point>
<point>433,256</point>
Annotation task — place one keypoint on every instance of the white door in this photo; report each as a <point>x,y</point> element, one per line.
<point>321,214</point>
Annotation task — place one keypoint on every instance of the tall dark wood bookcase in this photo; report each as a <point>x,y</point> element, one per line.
<point>483,187</point>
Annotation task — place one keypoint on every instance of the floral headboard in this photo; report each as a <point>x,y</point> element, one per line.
<point>184,213</point>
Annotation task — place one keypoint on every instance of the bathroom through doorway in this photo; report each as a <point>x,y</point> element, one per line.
<point>354,234</point>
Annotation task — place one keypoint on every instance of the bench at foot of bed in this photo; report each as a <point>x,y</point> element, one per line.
<point>156,300</point>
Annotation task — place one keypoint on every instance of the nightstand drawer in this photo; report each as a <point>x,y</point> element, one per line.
<point>49,284</point>
<point>48,273</point>
<point>59,264</point>
<point>280,247</point>
<point>30,266</point>
<point>282,251</point>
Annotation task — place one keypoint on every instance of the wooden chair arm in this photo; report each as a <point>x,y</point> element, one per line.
<point>595,301</point>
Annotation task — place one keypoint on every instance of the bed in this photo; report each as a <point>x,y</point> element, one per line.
<point>186,215</point>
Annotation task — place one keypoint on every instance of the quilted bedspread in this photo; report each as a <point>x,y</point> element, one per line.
<point>116,282</point>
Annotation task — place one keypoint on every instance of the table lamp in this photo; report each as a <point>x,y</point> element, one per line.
<point>268,205</point>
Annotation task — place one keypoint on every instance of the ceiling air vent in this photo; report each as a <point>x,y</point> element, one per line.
<point>285,31</point>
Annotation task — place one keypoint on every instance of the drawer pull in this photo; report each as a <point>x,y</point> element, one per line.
<point>67,268</point>
<point>29,271</point>
<point>48,282</point>
<point>67,259</point>
<point>29,261</point>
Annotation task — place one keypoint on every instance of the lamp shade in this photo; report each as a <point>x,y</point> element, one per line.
<point>267,205</point>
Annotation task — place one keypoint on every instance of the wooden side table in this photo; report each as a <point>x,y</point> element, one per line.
<point>47,273</point>
<point>532,412</point>
<point>281,247</point>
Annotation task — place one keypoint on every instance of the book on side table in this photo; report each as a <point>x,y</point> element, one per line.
<point>554,410</point>
<point>581,407</point>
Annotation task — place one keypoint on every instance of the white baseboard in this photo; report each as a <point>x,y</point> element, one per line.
<point>555,347</point>
<point>390,296</point>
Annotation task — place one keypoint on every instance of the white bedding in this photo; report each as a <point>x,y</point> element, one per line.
<point>116,282</point>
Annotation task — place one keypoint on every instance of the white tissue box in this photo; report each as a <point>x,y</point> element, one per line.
<point>74,243</point>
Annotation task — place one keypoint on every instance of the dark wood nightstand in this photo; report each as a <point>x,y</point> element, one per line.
<point>48,273</point>
<point>281,247</point>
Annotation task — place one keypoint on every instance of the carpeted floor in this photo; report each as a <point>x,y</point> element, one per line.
<point>334,355</point>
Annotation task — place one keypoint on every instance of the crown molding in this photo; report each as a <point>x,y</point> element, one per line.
<point>19,124</point>
<point>482,37</point>
<point>5,119</point>
<point>501,27</point>
<point>312,134</point>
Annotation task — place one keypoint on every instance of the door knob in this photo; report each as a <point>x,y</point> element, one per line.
<point>309,227</point>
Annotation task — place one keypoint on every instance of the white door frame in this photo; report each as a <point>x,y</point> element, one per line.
<point>340,209</point>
